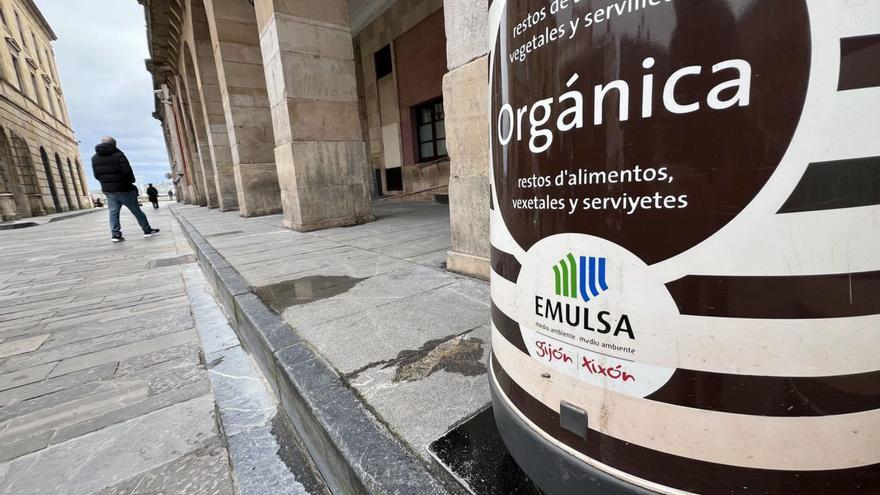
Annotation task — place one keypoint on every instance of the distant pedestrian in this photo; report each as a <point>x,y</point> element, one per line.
<point>170,195</point>
<point>153,195</point>
<point>113,171</point>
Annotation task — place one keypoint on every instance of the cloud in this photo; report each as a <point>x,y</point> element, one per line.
<point>100,54</point>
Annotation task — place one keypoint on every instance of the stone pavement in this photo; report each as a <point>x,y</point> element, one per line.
<point>36,221</point>
<point>103,383</point>
<point>375,302</point>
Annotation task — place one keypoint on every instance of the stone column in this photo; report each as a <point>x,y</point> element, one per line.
<point>465,102</point>
<point>195,189</point>
<point>319,149</point>
<point>212,107</point>
<point>169,131</point>
<point>197,131</point>
<point>236,46</point>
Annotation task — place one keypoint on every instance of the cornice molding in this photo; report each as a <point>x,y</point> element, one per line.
<point>13,43</point>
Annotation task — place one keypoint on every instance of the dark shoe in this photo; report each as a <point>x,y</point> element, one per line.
<point>117,239</point>
<point>151,233</point>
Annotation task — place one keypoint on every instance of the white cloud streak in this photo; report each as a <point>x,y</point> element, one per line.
<point>100,53</point>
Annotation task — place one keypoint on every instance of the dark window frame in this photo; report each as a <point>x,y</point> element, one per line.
<point>37,96</point>
<point>383,62</point>
<point>432,106</point>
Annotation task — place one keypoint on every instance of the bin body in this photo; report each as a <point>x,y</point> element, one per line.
<point>686,244</point>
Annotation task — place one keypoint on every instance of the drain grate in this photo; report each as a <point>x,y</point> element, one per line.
<point>476,455</point>
<point>177,260</point>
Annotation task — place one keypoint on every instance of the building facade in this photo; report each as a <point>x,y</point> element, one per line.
<point>40,166</point>
<point>314,108</point>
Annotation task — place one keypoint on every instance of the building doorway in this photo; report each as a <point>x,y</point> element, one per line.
<point>75,179</point>
<point>62,176</point>
<point>51,180</point>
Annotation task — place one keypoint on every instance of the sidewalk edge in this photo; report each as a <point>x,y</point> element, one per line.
<point>354,452</point>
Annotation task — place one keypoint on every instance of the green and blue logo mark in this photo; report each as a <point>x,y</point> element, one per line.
<point>584,278</point>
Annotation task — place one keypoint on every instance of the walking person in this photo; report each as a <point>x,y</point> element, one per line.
<point>153,196</point>
<point>113,171</point>
<point>170,195</point>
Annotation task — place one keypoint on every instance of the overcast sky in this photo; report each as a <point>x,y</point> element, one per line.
<point>101,49</point>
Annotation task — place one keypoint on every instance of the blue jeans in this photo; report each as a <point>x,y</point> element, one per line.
<point>115,202</point>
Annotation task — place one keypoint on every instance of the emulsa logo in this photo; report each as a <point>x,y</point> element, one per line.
<point>578,281</point>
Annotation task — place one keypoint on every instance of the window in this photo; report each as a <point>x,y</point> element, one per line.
<point>37,95</point>
<point>17,68</point>
<point>20,29</point>
<point>430,130</point>
<point>51,100</point>
<point>35,45</point>
<point>382,61</point>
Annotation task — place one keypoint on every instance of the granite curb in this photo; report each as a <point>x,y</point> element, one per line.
<point>354,452</point>
<point>37,221</point>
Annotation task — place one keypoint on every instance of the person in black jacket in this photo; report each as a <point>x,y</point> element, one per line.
<point>153,196</point>
<point>113,171</point>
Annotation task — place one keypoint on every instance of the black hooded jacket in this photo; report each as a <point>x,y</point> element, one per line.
<point>112,169</point>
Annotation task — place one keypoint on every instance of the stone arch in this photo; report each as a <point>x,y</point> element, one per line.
<point>9,207</point>
<point>63,177</point>
<point>208,86</point>
<point>83,181</point>
<point>31,201</point>
<point>183,140</point>
<point>50,179</point>
<point>192,103</point>
<point>74,177</point>
<point>191,145</point>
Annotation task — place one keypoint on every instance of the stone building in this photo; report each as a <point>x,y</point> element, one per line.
<point>40,167</point>
<point>313,108</point>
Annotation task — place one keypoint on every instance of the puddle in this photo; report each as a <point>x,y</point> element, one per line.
<point>177,260</point>
<point>476,455</point>
<point>457,355</point>
<point>283,295</point>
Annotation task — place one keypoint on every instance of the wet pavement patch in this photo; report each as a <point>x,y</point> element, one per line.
<point>476,455</point>
<point>460,354</point>
<point>221,234</point>
<point>293,454</point>
<point>283,295</point>
<point>177,260</point>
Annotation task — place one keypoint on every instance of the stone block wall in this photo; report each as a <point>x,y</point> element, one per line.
<point>465,101</point>
<point>26,127</point>
<point>390,25</point>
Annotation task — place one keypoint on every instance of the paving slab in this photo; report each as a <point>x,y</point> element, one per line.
<point>101,382</point>
<point>123,352</point>
<point>380,334</point>
<point>25,376</point>
<point>106,457</point>
<point>412,393</point>
<point>200,472</point>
